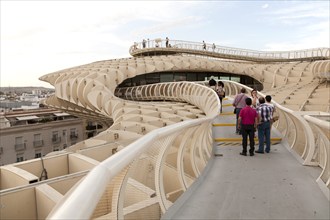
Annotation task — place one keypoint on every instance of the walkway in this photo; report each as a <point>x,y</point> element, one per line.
<point>157,47</point>
<point>265,186</point>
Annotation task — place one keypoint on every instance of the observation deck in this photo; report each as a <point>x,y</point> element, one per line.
<point>158,47</point>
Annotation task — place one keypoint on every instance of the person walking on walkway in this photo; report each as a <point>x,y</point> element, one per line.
<point>221,92</point>
<point>247,123</point>
<point>239,103</point>
<point>166,42</point>
<point>144,43</point>
<point>204,45</point>
<point>265,117</point>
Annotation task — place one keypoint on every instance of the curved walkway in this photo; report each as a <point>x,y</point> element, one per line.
<point>265,186</point>
<point>158,46</point>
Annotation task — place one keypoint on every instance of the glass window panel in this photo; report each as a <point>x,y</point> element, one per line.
<point>180,77</point>
<point>234,78</point>
<point>166,77</point>
<point>191,77</point>
<point>19,140</point>
<point>37,137</point>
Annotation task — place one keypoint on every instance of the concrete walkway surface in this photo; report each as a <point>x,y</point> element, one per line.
<point>265,186</point>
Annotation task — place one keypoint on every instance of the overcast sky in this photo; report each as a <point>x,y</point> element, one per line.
<point>40,37</point>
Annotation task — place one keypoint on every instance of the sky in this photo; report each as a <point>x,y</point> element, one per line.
<point>41,37</point>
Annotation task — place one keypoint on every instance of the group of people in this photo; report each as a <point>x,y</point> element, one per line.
<point>254,114</point>
<point>145,42</point>
<point>213,46</point>
<point>219,88</point>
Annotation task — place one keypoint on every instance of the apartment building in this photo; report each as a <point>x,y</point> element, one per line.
<point>32,134</point>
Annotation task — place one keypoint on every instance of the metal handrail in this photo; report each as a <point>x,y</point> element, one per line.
<point>93,186</point>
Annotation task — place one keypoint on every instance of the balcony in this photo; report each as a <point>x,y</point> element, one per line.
<point>56,140</point>
<point>19,147</point>
<point>38,143</point>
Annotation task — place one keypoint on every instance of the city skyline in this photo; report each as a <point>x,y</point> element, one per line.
<point>38,38</point>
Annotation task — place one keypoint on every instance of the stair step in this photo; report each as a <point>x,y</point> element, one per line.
<point>239,139</point>
<point>224,124</point>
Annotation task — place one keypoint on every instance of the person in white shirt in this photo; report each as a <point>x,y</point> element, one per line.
<point>239,103</point>
<point>221,92</point>
<point>255,98</point>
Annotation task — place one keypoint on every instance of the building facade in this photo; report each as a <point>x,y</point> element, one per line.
<point>33,134</point>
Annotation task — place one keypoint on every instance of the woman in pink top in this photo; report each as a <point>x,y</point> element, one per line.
<point>247,123</point>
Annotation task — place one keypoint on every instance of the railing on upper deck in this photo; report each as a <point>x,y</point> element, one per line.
<point>179,46</point>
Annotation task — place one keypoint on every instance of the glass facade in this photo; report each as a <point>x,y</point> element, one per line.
<point>152,78</point>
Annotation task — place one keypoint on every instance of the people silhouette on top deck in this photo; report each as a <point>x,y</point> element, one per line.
<point>204,45</point>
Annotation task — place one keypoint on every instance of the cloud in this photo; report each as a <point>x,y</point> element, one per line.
<point>38,37</point>
<point>162,27</point>
<point>301,12</point>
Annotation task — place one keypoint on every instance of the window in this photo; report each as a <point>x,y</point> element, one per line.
<point>37,155</point>
<point>37,141</point>
<point>37,137</point>
<point>191,77</point>
<point>73,133</point>
<point>166,77</point>
<point>19,140</point>
<point>234,78</point>
<point>55,137</point>
<point>19,157</point>
<point>180,77</point>
<point>19,144</point>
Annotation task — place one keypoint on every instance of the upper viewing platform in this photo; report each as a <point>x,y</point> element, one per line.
<point>160,46</point>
